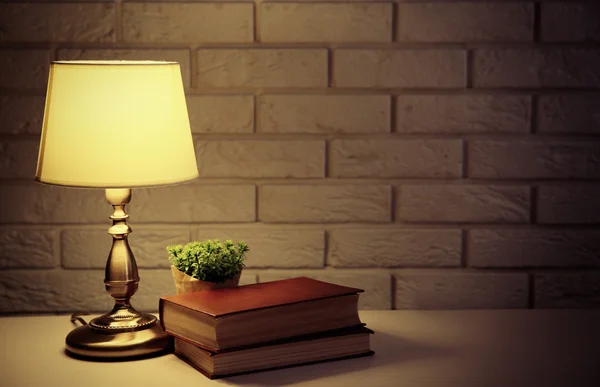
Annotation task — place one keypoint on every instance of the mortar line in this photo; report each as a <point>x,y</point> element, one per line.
<point>537,18</point>
<point>255,19</point>
<point>255,115</point>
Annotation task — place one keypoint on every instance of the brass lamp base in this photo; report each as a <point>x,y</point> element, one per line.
<point>123,332</point>
<point>90,342</point>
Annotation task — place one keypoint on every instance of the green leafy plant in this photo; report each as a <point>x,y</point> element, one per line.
<point>211,260</point>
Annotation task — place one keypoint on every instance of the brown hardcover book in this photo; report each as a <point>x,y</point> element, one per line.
<point>308,349</point>
<point>259,313</point>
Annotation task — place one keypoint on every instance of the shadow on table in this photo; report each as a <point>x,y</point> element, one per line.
<point>388,349</point>
<point>116,359</point>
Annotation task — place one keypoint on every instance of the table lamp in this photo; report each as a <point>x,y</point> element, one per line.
<point>116,125</point>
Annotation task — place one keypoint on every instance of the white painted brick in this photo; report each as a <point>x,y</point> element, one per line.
<point>66,22</point>
<point>261,158</point>
<point>394,247</point>
<point>324,114</point>
<point>181,56</point>
<point>38,203</point>
<point>540,159</point>
<point>463,203</point>
<point>274,247</point>
<point>395,157</point>
<point>18,159</point>
<point>30,202</point>
<point>538,67</point>
<point>293,250</point>
<point>188,22</point>
<point>325,22</point>
<point>533,248</point>
<point>435,289</point>
<point>81,290</point>
<point>21,114</point>
<point>568,204</point>
<point>570,22</point>
<point>324,203</point>
<point>248,277</point>
<point>439,68</point>
<point>153,285</point>
<point>88,249</point>
<point>463,113</point>
<point>567,290</point>
<point>53,291</point>
<point>189,203</point>
<point>24,68</point>
<point>376,285</point>
<point>465,22</point>
<point>221,113</point>
<point>261,68</point>
<point>569,114</point>
<point>27,248</point>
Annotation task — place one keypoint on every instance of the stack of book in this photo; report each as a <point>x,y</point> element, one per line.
<point>264,326</point>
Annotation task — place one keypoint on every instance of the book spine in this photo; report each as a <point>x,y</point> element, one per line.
<point>161,303</point>
<point>211,351</point>
<point>204,372</point>
<point>267,368</point>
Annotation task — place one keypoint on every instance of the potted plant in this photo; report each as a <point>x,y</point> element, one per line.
<point>210,264</point>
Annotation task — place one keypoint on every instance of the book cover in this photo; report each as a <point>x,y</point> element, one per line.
<point>222,302</point>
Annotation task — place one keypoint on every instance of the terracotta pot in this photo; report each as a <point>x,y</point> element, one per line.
<point>186,284</point>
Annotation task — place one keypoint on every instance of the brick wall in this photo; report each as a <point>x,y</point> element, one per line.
<point>440,155</point>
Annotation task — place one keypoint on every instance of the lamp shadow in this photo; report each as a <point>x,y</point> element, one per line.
<point>388,349</point>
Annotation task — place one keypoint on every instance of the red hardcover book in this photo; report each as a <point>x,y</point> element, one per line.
<point>259,313</point>
<point>338,344</point>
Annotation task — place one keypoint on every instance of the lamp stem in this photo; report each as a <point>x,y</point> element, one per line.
<point>121,276</point>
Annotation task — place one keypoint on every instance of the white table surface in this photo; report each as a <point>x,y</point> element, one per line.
<point>534,348</point>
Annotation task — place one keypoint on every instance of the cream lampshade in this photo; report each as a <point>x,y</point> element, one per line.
<point>116,125</point>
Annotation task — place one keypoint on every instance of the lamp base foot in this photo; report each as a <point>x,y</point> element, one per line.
<point>103,344</point>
